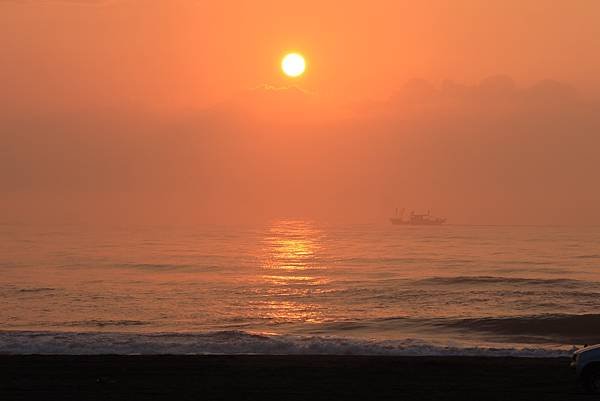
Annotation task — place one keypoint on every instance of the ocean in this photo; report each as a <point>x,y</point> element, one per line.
<point>299,287</point>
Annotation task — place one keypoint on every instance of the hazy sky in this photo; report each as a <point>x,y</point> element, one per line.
<point>176,111</point>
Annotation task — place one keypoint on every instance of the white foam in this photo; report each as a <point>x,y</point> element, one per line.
<point>237,342</point>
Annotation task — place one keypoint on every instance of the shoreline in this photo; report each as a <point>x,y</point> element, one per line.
<point>235,342</point>
<point>289,377</point>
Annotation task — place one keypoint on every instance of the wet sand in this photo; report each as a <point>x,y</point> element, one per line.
<point>286,378</point>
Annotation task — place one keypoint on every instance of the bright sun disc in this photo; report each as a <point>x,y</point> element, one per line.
<point>293,65</point>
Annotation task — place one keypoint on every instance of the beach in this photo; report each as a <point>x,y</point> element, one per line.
<point>299,377</point>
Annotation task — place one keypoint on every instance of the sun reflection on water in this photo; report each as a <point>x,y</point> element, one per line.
<point>291,250</point>
<point>292,245</point>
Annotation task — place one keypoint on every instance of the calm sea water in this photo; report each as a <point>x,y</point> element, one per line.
<point>299,287</point>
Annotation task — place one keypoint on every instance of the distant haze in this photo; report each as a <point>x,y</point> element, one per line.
<point>175,112</point>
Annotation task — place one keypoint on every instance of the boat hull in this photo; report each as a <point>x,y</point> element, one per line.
<point>400,222</point>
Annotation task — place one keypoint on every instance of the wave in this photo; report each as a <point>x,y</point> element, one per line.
<point>105,323</point>
<point>558,328</point>
<point>590,256</point>
<point>240,342</point>
<point>37,289</point>
<point>541,329</point>
<point>382,260</point>
<point>468,280</point>
<point>155,266</point>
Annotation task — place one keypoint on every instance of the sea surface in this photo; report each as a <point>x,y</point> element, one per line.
<point>299,287</point>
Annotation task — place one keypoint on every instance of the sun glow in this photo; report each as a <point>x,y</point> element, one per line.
<point>293,65</point>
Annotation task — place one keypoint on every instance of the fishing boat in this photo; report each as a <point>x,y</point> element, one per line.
<point>416,219</point>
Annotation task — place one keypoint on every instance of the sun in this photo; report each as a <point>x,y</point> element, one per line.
<point>293,65</point>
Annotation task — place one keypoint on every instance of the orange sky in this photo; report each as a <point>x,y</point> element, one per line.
<point>187,54</point>
<point>106,102</point>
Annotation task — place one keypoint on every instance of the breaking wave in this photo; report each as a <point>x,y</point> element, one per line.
<point>239,342</point>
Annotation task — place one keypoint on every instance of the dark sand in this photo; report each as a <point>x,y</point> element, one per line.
<point>286,378</point>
